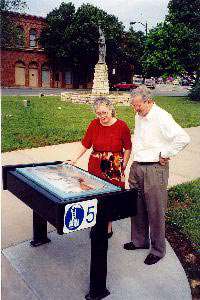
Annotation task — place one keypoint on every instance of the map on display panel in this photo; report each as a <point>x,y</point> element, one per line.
<point>67,181</point>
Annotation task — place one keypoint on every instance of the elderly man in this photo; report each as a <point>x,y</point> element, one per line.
<point>157,137</point>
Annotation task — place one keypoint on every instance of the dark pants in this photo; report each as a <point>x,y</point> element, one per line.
<point>148,226</point>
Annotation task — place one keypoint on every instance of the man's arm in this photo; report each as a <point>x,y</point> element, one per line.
<point>176,137</point>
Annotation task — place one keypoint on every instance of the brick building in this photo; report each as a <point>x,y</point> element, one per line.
<point>26,65</point>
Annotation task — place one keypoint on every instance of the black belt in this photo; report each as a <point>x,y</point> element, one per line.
<point>147,163</point>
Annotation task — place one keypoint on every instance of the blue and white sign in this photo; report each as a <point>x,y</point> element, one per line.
<point>80,215</point>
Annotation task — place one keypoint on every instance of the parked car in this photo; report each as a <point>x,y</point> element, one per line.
<point>184,82</point>
<point>175,82</point>
<point>169,80</point>
<point>159,80</point>
<point>137,80</point>
<point>150,83</point>
<point>124,86</point>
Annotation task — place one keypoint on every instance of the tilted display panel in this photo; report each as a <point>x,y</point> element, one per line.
<point>67,181</point>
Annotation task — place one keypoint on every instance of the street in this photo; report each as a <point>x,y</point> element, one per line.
<point>160,90</point>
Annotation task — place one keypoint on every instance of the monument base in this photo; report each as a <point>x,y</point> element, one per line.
<point>84,97</point>
<point>100,82</point>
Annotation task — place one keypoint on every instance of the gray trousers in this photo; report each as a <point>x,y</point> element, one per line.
<point>148,226</point>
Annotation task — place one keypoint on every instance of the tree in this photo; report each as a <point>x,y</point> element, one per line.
<point>134,49</point>
<point>57,36</point>
<point>13,5</point>
<point>74,35</point>
<point>9,31</point>
<point>184,12</point>
<point>88,18</point>
<point>187,14</point>
<point>173,47</point>
<point>163,50</point>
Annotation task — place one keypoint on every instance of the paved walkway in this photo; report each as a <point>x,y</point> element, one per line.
<point>60,270</point>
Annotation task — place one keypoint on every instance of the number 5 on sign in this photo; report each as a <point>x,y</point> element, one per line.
<point>80,215</point>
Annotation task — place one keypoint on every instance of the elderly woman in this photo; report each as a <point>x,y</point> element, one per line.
<point>110,140</point>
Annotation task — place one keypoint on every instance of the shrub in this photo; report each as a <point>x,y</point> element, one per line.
<point>194,94</point>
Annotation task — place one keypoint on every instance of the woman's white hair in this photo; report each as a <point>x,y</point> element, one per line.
<point>142,91</point>
<point>106,102</point>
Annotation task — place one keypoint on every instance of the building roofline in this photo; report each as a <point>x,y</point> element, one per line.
<point>24,15</point>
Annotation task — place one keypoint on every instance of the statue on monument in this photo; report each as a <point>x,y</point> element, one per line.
<point>100,82</point>
<point>102,47</point>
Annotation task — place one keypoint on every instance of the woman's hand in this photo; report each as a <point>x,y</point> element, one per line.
<point>124,166</point>
<point>74,161</point>
<point>127,154</point>
<point>69,162</point>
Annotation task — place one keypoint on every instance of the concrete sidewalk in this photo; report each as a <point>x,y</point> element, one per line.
<point>60,270</point>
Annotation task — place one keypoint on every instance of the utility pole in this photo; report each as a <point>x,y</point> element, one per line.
<point>145,25</point>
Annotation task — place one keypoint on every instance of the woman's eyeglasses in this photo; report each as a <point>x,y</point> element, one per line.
<point>103,113</point>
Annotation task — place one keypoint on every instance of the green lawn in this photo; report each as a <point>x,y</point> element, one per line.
<point>184,209</point>
<point>50,121</point>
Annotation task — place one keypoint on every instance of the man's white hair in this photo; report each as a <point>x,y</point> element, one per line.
<point>142,91</point>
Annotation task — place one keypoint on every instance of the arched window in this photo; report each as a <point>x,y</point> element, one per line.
<point>68,77</point>
<point>32,39</point>
<point>45,67</point>
<point>45,75</point>
<point>33,65</point>
<point>20,37</point>
<point>20,73</point>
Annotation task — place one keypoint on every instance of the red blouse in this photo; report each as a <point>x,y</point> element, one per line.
<point>113,138</point>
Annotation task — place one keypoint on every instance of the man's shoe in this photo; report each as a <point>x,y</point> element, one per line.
<point>100,296</point>
<point>151,259</point>
<point>131,246</point>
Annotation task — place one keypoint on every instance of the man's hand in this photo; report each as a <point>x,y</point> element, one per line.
<point>163,161</point>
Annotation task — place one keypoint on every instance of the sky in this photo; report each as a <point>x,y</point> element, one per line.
<point>150,11</point>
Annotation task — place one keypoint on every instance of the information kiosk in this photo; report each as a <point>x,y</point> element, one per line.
<point>71,199</point>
